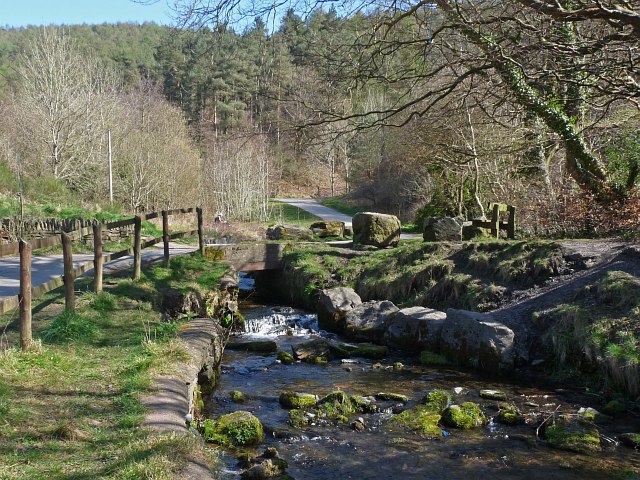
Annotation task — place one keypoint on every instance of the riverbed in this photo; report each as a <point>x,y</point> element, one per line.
<point>332,450</point>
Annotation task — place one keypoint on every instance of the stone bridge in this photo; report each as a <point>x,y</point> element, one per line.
<point>247,257</point>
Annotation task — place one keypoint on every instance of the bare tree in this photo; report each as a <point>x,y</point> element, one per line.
<point>64,102</point>
<point>239,174</point>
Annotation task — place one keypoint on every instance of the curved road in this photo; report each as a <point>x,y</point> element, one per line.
<point>329,214</point>
<point>45,268</point>
<point>313,207</point>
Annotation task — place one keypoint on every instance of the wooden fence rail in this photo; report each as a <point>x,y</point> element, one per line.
<point>24,249</point>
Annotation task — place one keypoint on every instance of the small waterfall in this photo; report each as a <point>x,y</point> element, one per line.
<point>281,321</point>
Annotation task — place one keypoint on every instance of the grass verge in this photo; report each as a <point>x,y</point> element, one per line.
<point>283,213</point>
<point>69,408</point>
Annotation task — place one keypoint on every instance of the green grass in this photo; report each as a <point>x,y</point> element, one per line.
<point>283,213</point>
<point>340,204</point>
<point>70,407</point>
<point>600,331</point>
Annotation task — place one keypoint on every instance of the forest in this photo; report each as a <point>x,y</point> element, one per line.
<point>417,109</point>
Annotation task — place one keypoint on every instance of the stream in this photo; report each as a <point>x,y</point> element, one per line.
<point>382,451</point>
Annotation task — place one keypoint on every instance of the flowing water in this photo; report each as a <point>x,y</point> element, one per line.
<point>336,451</point>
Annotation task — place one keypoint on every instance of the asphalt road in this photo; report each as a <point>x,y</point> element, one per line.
<point>313,207</point>
<point>45,268</point>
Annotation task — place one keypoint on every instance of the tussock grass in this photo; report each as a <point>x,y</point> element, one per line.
<point>600,331</point>
<point>474,276</point>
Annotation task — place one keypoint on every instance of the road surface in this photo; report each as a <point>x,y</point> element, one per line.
<point>313,207</point>
<point>45,268</point>
<point>329,214</point>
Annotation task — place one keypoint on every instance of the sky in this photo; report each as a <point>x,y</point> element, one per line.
<point>20,13</point>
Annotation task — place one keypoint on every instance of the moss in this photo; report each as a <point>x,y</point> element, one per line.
<point>396,397</point>
<point>430,358</point>
<point>421,419</point>
<point>365,404</point>
<point>237,396</point>
<point>575,435</point>
<point>510,415</point>
<point>493,395</point>
<point>284,357</point>
<point>319,360</point>
<point>368,350</point>
<point>465,416</point>
<point>437,400</point>
<point>234,430</point>
<point>614,408</point>
<point>338,405</point>
<point>600,331</point>
<point>297,418</point>
<point>293,400</point>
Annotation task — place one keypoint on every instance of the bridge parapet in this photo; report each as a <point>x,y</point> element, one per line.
<point>247,257</point>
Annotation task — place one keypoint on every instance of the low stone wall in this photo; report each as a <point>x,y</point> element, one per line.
<point>171,399</point>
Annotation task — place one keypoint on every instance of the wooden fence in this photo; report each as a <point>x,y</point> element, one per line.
<point>24,249</point>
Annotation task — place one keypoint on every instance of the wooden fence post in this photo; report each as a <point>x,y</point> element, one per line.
<point>200,231</point>
<point>69,289</point>
<point>25,295</point>
<point>97,256</point>
<point>137,250</point>
<point>165,236</point>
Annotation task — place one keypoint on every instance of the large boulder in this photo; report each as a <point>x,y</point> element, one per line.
<point>333,305</point>
<point>376,229</point>
<point>368,321</point>
<point>415,328</point>
<point>328,229</point>
<point>289,232</point>
<point>478,340</point>
<point>442,229</point>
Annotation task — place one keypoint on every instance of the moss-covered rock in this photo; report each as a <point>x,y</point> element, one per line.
<point>376,229</point>
<point>365,404</point>
<point>289,232</point>
<point>267,465</point>
<point>390,396</point>
<point>327,229</point>
<point>420,419</point>
<point>237,396</point>
<point>298,418</point>
<point>631,440</point>
<point>234,430</point>
<point>338,405</point>
<point>284,357</point>
<point>573,433</point>
<point>493,395</point>
<point>464,416</point>
<point>293,400</point>
<point>509,415</point>
<point>437,400</point>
